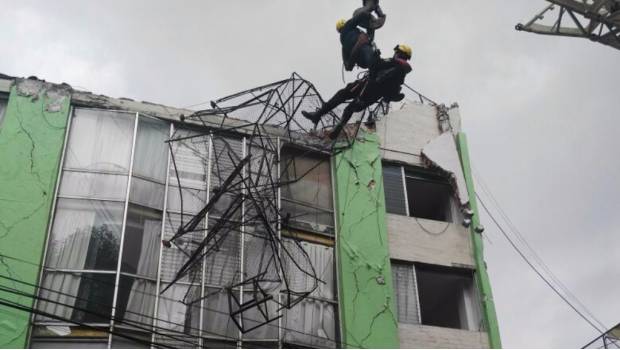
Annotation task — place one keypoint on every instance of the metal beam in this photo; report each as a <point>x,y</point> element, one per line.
<point>597,20</point>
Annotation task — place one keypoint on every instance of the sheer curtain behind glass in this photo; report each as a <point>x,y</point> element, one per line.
<point>86,230</point>
<point>312,322</point>
<point>100,141</point>
<point>403,277</point>
<point>308,196</point>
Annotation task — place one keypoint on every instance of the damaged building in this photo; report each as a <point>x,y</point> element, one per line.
<point>133,224</point>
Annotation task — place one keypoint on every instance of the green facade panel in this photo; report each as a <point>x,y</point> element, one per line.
<point>482,277</point>
<point>367,305</point>
<point>31,142</point>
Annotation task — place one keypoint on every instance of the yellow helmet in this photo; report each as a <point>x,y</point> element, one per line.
<point>405,49</point>
<point>341,22</point>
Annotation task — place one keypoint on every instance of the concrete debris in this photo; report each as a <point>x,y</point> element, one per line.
<point>441,152</point>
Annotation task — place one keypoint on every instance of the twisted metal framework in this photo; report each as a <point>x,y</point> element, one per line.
<point>245,194</point>
<point>607,340</point>
<point>597,20</point>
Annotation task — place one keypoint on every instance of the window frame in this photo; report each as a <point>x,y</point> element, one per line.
<point>425,175</point>
<point>119,274</point>
<point>452,271</point>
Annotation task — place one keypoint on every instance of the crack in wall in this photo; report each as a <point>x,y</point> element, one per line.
<point>361,239</point>
<point>32,136</point>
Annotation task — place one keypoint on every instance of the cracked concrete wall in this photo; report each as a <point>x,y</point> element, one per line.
<point>484,285</point>
<point>413,336</point>
<point>31,140</point>
<point>367,307</point>
<point>428,241</point>
<point>404,132</point>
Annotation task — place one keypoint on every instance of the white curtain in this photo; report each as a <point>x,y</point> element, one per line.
<point>92,185</point>
<point>100,140</point>
<point>322,259</point>
<point>151,154</point>
<point>216,315</point>
<point>66,283</point>
<point>403,277</point>
<point>75,223</point>
<point>311,322</point>
<point>311,316</point>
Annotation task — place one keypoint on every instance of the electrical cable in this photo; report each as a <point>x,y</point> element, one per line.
<point>173,300</point>
<point>531,250</point>
<point>516,248</point>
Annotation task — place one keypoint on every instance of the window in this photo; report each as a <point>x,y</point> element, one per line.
<point>436,296</point>
<point>119,196</point>
<point>418,193</point>
<point>307,191</point>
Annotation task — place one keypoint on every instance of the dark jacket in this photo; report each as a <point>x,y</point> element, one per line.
<point>388,80</point>
<point>357,44</point>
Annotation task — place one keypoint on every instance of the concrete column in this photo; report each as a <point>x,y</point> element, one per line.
<point>367,306</point>
<point>31,142</point>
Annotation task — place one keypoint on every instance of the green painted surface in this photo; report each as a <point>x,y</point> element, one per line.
<point>31,139</point>
<point>481,272</point>
<point>367,306</point>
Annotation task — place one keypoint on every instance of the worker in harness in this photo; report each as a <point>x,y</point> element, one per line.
<point>386,84</point>
<point>357,46</point>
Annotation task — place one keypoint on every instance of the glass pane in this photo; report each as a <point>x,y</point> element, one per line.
<point>142,241</point>
<point>136,302</point>
<point>217,321</point>
<point>147,193</point>
<point>311,322</point>
<point>177,254</point>
<point>91,185</point>
<point>265,327</point>
<point>85,235</point>
<point>260,260</point>
<point>227,153</point>
<point>307,191</point>
<point>223,259</point>
<point>179,311</point>
<point>308,218</point>
<point>404,288</point>
<point>394,189</point>
<point>191,160</point>
<point>193,200</point>
<point>100,140</point>
<point>79,297</point>
<point>303,261</point>
<point>151,154</point>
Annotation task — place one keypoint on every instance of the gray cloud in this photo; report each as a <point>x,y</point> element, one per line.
<point>541,113</point>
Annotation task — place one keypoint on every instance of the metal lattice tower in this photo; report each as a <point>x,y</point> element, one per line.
<point>597,20</point>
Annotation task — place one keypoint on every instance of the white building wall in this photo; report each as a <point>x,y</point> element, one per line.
<point>404,132</point>
<point>429,241</point>
<point>430,337</point>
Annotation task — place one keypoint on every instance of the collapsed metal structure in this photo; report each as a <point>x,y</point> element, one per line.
<point>245,192</point>
<point>597,20</point>
<point>608,340</point>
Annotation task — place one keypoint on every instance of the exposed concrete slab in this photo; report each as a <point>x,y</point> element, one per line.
<point>428,241</point>
<point>430,337</point>
<point>404,132</point>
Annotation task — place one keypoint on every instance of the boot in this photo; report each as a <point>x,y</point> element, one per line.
<point>315,117</point>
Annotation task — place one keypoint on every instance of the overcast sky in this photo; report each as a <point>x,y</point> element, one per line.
<point>541,113</point>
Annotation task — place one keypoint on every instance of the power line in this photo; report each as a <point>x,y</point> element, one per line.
<point>534,267</point>
<point>531,250</point>
<point>337,342</point>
